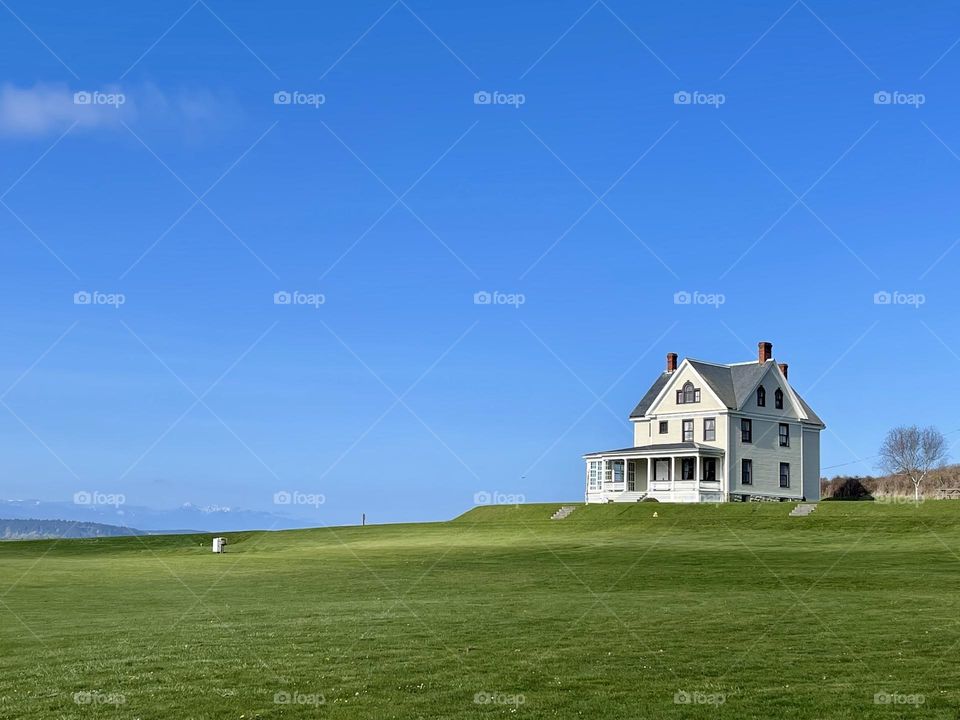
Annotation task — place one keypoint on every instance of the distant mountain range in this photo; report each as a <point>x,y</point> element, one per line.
<point>152,520</point>
<point>42,529</point>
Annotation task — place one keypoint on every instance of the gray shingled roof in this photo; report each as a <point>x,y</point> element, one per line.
<point>657,449</point>
<point>720,379</point>
<point>808,410</point>
<point>641,409</point>
<point>745,379</point>
<point>731,383</point>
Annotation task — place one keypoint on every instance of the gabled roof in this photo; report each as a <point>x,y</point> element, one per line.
<point>732,384</point>
<point>746,378</point>
<point>811,415</point>
<point>641,409</point>
<point>720,380</point>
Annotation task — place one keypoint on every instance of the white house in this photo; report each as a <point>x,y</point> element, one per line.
<point>706,432</point>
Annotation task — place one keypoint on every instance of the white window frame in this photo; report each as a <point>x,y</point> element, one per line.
<point>622,464</point>
<point>594,475</point>
<point>713,430</point>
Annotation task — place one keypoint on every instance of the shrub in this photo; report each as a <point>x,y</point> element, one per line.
<point>889,486</point>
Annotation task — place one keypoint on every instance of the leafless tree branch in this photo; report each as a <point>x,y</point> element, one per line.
<point>914,452</point>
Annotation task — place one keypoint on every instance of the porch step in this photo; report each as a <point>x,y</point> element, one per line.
<point>802,510</point>
<point>563,512</point>
<point>630,496</point>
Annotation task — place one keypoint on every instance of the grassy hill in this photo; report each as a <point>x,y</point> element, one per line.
<point>611,613</point>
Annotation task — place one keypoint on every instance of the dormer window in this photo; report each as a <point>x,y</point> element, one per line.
<point>689,394</point>
<point>761,396</point>
<point>778,399</point>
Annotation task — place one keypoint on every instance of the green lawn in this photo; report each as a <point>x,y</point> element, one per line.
<point>610,613</point>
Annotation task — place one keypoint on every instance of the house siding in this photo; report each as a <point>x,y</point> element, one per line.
<point>766,453</point>
<point>771,382</point>
<point>811,464</point>
<point>643,433</point>
<point>647,432</point>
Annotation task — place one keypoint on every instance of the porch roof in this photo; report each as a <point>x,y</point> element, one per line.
<point>681,448</point>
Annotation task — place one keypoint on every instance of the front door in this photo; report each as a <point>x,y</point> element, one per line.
<point>662,471</point>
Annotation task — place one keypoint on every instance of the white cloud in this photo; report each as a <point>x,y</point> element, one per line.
<point>48,109</point>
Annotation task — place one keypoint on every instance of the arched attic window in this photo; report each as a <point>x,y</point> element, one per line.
<point>778,399</point>
<point>761,396</point>
<point>688,394</point>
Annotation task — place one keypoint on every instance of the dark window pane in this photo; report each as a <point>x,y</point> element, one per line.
<point>710,469</point>
<point>784,435</point>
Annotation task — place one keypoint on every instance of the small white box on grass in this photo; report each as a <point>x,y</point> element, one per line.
<point>219,544</point>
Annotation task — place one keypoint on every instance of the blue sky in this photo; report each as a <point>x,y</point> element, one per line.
<point>785,187</point>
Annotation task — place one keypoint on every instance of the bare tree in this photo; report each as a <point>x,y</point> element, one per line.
<point>914,452</point>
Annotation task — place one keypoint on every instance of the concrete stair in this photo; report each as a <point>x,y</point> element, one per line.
<point>563,512</point>
<point>803,509</point>
<point>630,496</point>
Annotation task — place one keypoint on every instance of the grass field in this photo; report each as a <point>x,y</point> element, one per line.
<point>732,611</point>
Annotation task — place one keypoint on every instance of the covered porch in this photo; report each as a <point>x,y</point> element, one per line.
<point>677,472</point>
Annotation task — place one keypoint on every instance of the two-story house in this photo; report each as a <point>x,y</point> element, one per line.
<point>706,432</point>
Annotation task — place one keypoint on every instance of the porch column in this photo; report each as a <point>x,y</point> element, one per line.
<point>649,474</point>
<point>673,477</point>
<point>696,473</point>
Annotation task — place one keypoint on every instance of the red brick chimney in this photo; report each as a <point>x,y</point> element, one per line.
<point>764,352</point>
<point>783,369</point>
<point>671,362</point>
